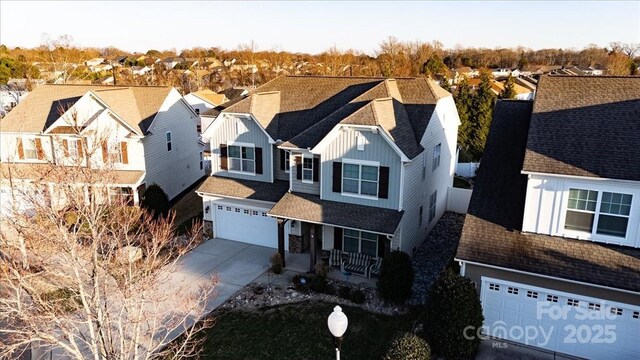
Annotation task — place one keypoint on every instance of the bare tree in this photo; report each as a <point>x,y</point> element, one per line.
<point>100,282</point>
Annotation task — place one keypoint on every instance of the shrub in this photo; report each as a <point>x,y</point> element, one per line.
<point>156,201</point>
<point>408,347</point>
<point>301,282</point>
<point>358,297</point>
<point>344,292</point>
<point>322,269</point>
<point>454,305</point>
<point>396,277</point>
<point>276,264</point>
<point>319,284</point>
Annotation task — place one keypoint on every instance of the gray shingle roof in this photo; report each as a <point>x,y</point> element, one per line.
<point>308,107</point>
<point>581,124</point>
<point>308,207</point>
<point>492,229</point>
<point>244,189</point>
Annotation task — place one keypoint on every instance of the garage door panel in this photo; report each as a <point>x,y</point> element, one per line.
<point>517,305</point>
<point>246,224</point>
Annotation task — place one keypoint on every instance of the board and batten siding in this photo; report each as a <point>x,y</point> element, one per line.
<point>226,133</point>
<point>278,173</point>
<point>442,129</point>
<point>344,146</point>
<point>298,185</point>
<point>179,168</point>
<point>546,204</point>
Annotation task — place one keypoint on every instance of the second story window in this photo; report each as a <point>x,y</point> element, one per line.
<point>242,159</point>
<point>72,149</point>
<point>436,156</point>
<point>433,200</point>
<point>360,179</point>
<point>169,141</point>
<point>201,160</point>
<point>307,169</point>
<point>30,149</point>
<point>598,213</point>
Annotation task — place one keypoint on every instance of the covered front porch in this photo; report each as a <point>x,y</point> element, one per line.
<point>349,237</point>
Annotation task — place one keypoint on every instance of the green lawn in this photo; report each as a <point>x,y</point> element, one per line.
<point>299,331</point>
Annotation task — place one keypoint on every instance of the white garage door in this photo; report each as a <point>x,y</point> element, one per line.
<point>563,322</point>
<point>246,224</point>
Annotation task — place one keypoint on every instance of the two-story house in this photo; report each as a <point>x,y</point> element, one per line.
<point>552,235</point>
<point>130,137</point>
<point>312,162</point>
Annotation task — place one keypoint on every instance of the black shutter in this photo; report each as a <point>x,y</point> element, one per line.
<point>383,191</point>
<point>258,154</point>
<point>382,239</point>
<point>299,167</point>
<point>223,157</point>
<point>337,238</point>
<point>282,160</point>
<point>316,169</point>
<point>337,176</point>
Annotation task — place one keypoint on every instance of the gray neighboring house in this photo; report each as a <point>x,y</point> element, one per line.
<point>310,163</point>
<point>552,235</point>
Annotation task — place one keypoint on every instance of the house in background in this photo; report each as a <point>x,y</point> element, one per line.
<point>204,100</point>
<point>306,163</point>
<point>138,134</point>
<point>554,219</point>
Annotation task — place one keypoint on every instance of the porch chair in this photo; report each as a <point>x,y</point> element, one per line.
<point>374,269</point>
<point>335,257</point>
<point>357,263</point>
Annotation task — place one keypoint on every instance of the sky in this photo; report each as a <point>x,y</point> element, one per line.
<point>313,27</point>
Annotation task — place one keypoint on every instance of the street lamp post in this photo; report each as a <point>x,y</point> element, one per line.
<point>338,323</point>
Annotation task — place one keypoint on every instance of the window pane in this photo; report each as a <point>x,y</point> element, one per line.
<point>618,204</point>
<point>582,199</point>
<point>350,244</point>
<point>351,171</point>
<point>234,151</point>
<point>579,221</point>
<point>369,188</point>
<point>626,199</point>
<point>168,136</point>
<point>352,233</point>
<point>248,166</point>
<point>234,164</point>
<point>369,247</point>
<point>307,163</point>
<point>247,153</point>
<point>369,173</point>
<point>370,236</point>
<point>350,186</point>
<point>612,225</point>
<point>307,174</point>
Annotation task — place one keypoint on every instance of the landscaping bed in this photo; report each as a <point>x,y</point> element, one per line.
<point>299,331</point>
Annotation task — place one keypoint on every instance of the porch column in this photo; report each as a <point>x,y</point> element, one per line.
<point>281,223</point>
<point>312,239</point>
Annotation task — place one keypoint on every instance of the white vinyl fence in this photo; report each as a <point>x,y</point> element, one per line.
<point>458,200</point>
<point>467,170</point>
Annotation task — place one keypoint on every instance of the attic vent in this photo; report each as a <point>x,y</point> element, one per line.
<point>361,141</point>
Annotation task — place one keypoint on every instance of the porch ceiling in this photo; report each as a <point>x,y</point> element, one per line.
<point>311,208</point>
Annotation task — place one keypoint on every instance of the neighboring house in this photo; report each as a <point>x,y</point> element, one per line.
<point>140,131</point>
<point>172,62</point>
<point>204,100</point>
<point>94,62</point>
<point>554,219</point>
<point>11,96</point>
<point>140,70</point>
<point>522,93</point>
<point>310,163</point>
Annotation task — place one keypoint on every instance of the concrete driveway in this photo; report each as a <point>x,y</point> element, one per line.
<point>236,264</point>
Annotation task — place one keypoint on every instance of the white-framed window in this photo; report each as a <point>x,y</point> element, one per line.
<point>242,158</point>
<point>598,212</point>
<point>201,160</point>
<point>424,165</point>
<point>287,161</point>
<point>420,215</point>
<point>436,156</point>
<point>494,287</point>
<point>29,148</point>
<point>169,141</point>
<point>433,200</point>
<point>360,179</point>
<point>360,242</point>
<point>115,151</point>
<point>307,169</point>
<point>72,148</point>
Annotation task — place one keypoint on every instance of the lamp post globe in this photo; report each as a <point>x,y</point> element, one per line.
<point>337,323</point>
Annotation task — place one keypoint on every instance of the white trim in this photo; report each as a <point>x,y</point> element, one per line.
<point>242,145</point>
<point>238,143</point>
<point>361,162</point>
<point>488,279</point>
<point>631,182</point>
<point>401,200</point>
<point>217,197</point>
<point>360,239</point>
<point>333,225</point>
<point>547,276</point>
<point>368,197</point>
<point>302,168</point>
